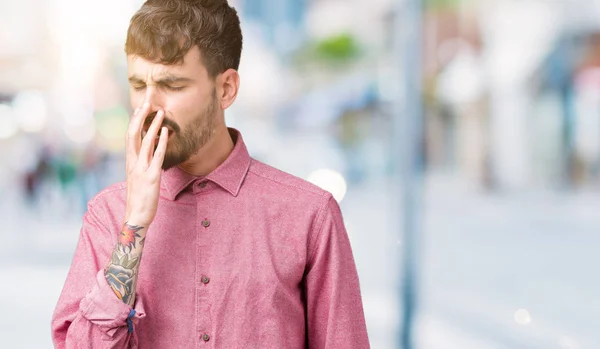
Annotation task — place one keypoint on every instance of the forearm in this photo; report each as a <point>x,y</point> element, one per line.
<point>122,270</point>
<point>89,314</point>
<point>100,321</point>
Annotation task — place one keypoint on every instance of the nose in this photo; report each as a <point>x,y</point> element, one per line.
<point>154,97</point>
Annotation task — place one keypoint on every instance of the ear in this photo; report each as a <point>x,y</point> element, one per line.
<point>228,84</point>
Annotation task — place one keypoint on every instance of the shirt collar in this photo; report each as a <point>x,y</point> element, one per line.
<point>229,175</point>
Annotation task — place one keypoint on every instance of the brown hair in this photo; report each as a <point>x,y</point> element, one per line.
<point>165,30</point>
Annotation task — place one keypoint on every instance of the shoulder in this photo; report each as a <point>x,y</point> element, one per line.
<point>284,184</point>
<point>294,194</point>
<point>109,199</point>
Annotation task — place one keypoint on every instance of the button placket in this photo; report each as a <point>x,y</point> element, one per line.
<point>202,288</point>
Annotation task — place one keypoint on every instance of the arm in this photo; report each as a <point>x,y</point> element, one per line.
<point>88,315</point>
<point>334,306</point>
<point>122,270</point>
<point>96,307</point>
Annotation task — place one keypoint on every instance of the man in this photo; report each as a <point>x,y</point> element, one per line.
<point>203,246</point>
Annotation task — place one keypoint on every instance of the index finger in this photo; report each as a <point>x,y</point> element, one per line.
<point>134,131</point>
<point>161,150</point>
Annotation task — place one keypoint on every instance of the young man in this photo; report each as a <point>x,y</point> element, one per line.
<point>203,246</point>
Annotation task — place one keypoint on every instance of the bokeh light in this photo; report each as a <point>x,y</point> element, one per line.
<point>522,317</point>
<point>81,133</point>
<point>330,180</point>
<point>8,123</point>
<point>31,111</point>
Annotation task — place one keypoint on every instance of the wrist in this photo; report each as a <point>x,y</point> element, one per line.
<point>135,222</point>
<point>131,237</point>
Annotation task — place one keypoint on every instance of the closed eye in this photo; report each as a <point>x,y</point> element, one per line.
<point>174,88</point>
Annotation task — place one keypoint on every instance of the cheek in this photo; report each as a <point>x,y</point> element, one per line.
<point>183,106</point>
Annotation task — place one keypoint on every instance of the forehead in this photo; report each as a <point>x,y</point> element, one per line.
<point>191,67</point>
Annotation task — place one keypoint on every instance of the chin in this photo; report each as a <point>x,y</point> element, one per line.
<point>172,160</point>
<point>169,163</point>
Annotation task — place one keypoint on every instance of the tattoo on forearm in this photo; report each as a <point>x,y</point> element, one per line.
<point>127,237</point>
<point>122,271</point>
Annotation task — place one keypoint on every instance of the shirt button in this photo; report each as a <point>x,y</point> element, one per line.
<point>205,337</point>
<point>202,185</point>
<point>205,280</point>
<point>206,223</point>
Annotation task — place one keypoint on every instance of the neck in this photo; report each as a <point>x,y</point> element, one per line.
<point>211,155</point>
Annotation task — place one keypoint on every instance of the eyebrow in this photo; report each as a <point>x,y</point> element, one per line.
<point>166,79</point>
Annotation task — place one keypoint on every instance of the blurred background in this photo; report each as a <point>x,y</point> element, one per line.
<point>503,244</point>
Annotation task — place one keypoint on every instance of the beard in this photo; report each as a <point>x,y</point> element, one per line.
<point>191,138</point>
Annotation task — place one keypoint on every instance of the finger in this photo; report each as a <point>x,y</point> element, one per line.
<point>134,130</point>
<point>161,150</point>
<point>141,117</point>
<point>132,117</point>
<point>135,112</point>
<point>149,139</point>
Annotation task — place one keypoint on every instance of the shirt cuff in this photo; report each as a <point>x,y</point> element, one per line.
<point>102,308</point>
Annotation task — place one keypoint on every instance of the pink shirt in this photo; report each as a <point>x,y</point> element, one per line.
<point>246,257</point>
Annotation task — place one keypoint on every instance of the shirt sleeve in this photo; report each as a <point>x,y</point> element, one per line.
<point>335,316</point>
<point>88,313</point>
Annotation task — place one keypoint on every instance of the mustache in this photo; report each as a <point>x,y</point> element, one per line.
<point>166,122</point>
